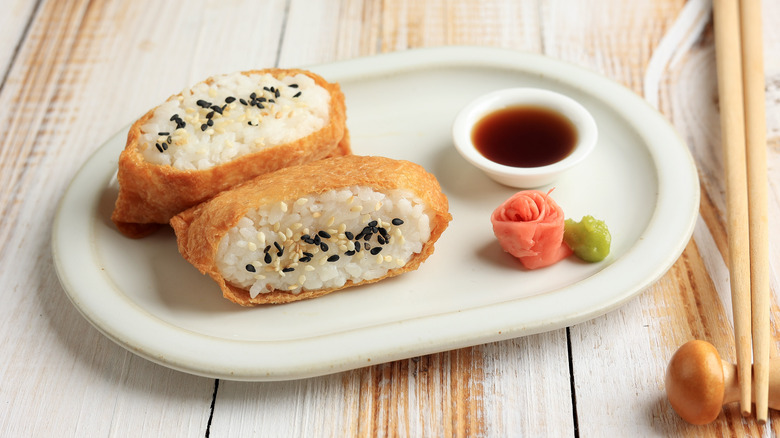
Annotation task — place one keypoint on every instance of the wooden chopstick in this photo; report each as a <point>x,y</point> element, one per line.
<point>732,115</point>
<point>755,136</point>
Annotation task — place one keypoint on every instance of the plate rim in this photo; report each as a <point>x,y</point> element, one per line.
<point>355,354</point>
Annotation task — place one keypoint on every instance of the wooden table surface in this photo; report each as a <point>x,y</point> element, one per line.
<point>73,72</point>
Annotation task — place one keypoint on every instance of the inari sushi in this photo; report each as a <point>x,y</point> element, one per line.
<point>220,133</point>
<point>308,230</point>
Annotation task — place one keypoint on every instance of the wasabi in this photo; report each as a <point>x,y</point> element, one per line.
<point>589,238</point>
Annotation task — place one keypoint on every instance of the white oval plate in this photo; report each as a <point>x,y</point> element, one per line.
<point>640,179</point>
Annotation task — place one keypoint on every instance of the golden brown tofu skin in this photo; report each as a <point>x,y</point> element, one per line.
<point>200,230</point>
<point>151,194</point>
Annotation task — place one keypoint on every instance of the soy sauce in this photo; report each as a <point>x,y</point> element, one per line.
<point>524,136</point>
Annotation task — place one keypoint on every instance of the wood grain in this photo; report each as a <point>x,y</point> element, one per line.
<point>78,71</point>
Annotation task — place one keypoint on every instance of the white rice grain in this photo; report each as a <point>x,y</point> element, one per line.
<point>301,108</point>
<point>293,264</point>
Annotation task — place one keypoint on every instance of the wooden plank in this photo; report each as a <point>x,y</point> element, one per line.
<point>86,70</point>
<point>13,23</point>
<point>518,387</point>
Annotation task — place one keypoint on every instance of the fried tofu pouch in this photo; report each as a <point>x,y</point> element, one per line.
<point>151,194</point>
<point>321,233</point>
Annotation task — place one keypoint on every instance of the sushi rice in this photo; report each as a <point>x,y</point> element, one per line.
<point>235,115</point>
<point>323,241</point>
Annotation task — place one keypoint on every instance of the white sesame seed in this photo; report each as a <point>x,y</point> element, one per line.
<point>356,208</point>
<point>331,221</point>
<point>301,201</point>
<point>379,259</point>
<point>302,279</point>
<point>292,287</point>
<point>388,258</point>
<point>283,206</point>
<point>309,268</point>
<point>316,214</point>
<point>252,246</point>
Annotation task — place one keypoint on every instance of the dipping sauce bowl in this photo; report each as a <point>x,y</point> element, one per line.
<point>524,137</point>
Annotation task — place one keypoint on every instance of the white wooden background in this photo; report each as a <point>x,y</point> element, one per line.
<point>73,72</point>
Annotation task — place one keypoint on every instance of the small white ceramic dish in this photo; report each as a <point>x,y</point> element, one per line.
<point>524,177</point>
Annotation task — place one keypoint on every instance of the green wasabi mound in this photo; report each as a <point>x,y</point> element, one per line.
<point>589,238</point>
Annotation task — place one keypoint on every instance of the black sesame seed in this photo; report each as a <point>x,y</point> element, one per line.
<point>243,102</point>
<point>298,94</point>
<point>367,237</point>
<point>159,148</point>
<point>333,258</point>
<point>280,253</point>
<point>262,99</point>
<point>324,234</point>
<point>163,134</point>
<point>267,248</point>
<point>249,123</point>
<point>203,104</point>
<point>324,246</point>
<point>268,89</point>
<point>380,240</point>
<point>360,235</point>
<point>253,96</point>
<point>169,140</point>
<point>276,93</point>
<point>250,268</point>
<point>267,258</point>
<point>204,127</point>
<point>304,259</point>
<point>260,106</point>
<point>230,99</point>
<point>373,224</point>
<point>288,269</point>
<point>210,114</point>
<point>164,146</point>
<point>293,85</point>
<point>210,122</point>
<point>397,222</point>
<point>349,235</point>
<point>366,246</point>
<point>349,253</point>
<point>278,247</point>
<point>317,239</point>
<point>174,117</point>
<point>376,250</point>
<point>308,254</point>
<point>217,109</point>
<point>357,247</point>
<point>271,101</point>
